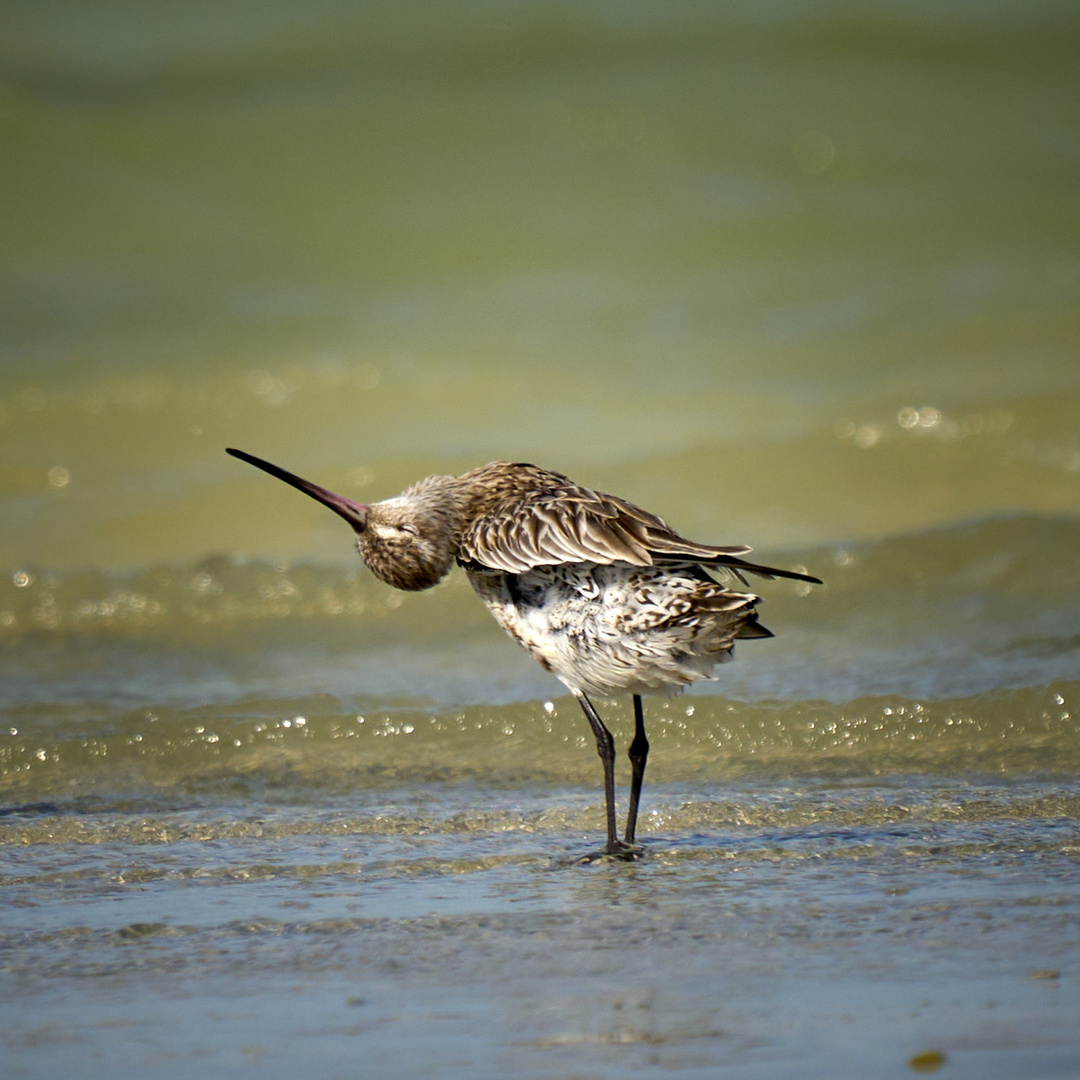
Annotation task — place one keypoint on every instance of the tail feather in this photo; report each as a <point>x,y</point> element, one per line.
<point>753,629</point>
<point>740,566</point>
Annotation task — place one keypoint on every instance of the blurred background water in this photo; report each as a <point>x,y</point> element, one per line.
<point>800,276</point>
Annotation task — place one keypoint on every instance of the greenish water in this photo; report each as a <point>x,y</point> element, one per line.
<point>804,277</point>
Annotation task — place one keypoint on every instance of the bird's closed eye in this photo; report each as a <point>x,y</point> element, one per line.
<point>412,530</point>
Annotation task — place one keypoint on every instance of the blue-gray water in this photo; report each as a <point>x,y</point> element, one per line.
<point>804,277</point>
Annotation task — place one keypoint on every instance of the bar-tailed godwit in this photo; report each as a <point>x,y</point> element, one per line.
<point>601,593</point>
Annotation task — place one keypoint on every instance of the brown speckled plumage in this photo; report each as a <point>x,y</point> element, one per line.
<point>602,593</point>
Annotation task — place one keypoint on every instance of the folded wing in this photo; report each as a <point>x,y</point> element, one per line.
<point>533,518</point>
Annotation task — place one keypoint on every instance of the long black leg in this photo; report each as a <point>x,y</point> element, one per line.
<point>605,747</point>
<point>639,754</point>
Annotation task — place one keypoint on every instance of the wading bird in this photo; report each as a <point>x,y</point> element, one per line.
<point>603,594</point>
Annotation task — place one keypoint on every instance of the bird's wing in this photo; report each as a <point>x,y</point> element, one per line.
<point>546,519</point>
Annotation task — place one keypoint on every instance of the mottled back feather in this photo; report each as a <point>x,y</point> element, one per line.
<point>522,517</point>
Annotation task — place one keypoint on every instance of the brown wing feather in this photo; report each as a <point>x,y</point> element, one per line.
<point>526,517</point>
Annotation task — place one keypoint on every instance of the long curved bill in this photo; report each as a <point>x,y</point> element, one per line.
<point>353,512</point>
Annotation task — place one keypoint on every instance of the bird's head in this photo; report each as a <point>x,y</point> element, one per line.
<point>408,541</point>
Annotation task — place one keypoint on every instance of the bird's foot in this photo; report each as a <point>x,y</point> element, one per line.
<point>618,850</point>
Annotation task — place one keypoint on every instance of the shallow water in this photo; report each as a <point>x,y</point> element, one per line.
<point>782,928</point>
<point>804,278</point>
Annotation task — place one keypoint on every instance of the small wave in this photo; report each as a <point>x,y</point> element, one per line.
<point>277,749</point>
<point>946,613</point>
